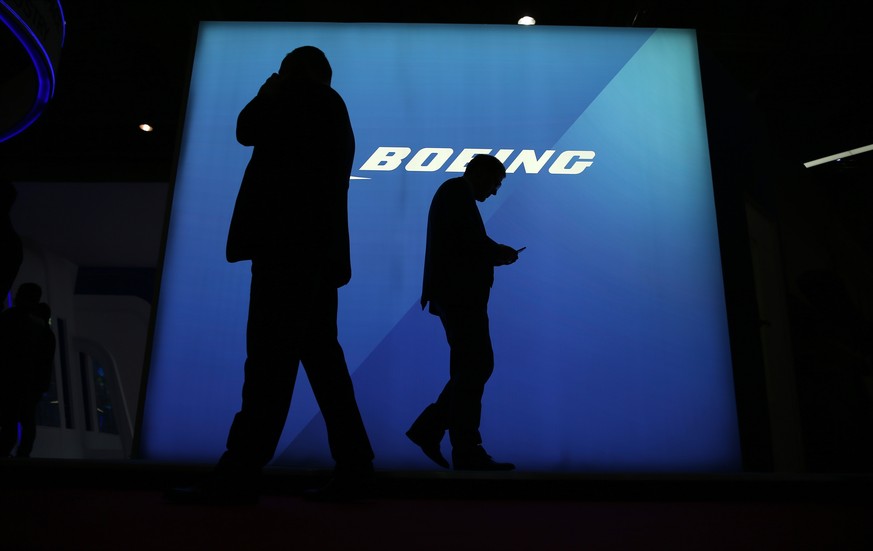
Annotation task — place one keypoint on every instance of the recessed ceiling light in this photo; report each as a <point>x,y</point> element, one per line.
<point>838,156</point>
<point>527,21</point>
<point>146,127</point>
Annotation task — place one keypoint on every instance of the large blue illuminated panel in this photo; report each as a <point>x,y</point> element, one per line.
<point>610,332</point>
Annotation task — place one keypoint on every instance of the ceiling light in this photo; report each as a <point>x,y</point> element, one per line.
<point>146,127</point>
<point>527,21</point>
<point>838,156</point>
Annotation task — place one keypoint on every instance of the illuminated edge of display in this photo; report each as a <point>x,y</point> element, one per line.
<point>45,72</point>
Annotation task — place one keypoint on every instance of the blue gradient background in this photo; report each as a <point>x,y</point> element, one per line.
<point>610,334</point>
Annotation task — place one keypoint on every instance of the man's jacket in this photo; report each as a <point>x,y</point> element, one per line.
<point>292,206</point>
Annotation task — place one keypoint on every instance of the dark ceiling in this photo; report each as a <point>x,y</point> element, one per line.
<point>802,68</point>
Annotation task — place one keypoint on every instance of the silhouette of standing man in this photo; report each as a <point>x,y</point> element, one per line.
<point>28,346</point>
<point>291,221</point>
<point>458,273</point>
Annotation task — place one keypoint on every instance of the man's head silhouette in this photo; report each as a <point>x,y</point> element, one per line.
<point>307,62</point>
<point>485,173</point>
<point>28,294</point>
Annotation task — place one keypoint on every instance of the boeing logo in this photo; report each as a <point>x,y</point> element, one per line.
<point>432,159</point>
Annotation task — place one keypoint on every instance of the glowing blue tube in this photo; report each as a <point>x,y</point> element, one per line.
<point>42,64</point>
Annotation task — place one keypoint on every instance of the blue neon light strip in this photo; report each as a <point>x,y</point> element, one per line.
<point>41,62</point>
<point>63,24</point>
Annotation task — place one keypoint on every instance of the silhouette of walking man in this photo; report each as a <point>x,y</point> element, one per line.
<point>28,345</point>
<point>458,274</point>
<point>291,221</point>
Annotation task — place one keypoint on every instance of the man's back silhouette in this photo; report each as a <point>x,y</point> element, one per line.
<point>292,207</point>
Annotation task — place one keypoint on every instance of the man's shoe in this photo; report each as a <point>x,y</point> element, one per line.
<point>429,444</point>
<point>476,459</point>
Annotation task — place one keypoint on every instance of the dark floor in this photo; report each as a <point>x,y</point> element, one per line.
<point>48,504</point>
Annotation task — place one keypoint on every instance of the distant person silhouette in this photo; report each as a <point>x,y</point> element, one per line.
<point>28,345</point>
<point>291,221</point>
<point>11,251</point>
<point>458,274</point>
